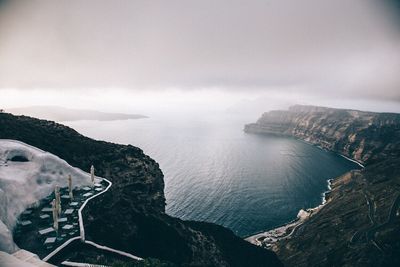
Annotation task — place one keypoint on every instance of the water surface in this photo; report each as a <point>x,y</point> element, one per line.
<point>217,173</point>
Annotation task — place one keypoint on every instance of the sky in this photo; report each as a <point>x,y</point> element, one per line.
<point>143,56</point>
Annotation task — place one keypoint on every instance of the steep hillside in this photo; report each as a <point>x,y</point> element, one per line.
<point>131,216</point>
<point>363,136</point>
<point>360,224</point>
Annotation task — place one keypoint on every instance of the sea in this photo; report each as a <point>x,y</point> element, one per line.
<point>215,172</point>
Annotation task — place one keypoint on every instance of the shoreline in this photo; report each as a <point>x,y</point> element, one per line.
<point>268,238</point>
<point>304,141</point>
<point>352,160</point>
<point>296,220</point>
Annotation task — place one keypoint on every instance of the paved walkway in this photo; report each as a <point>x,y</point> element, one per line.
<point>37,223</point>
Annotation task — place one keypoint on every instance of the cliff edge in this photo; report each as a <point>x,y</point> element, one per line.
<point>360,223</point>
<point>131,216</point>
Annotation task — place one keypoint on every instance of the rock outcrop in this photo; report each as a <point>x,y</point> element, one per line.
<point>131,217</point>
<point>360,224</point>
<point>362,136</point>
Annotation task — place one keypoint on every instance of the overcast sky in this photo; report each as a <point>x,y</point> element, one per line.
<point>337,50</point>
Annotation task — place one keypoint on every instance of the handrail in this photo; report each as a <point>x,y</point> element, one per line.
<point>114,250</point>
<point>81,228</point>
<point>82,232</point>
<point>80,264</point>
<point>80,217</point>
<point>54,252</point>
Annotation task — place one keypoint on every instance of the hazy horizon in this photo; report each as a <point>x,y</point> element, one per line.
<point>200,57</point>
<point>167,104</point>
<point>176,105</point>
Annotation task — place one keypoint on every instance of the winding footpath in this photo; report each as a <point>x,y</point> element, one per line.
<point>82,234</point>
<point>369,233</point>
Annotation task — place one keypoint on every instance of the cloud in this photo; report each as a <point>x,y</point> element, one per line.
<point>318,47</point>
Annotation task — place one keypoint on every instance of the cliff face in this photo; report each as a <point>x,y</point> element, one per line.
<point>363,136</point>
<point>360,224</point>
<point>131,216</point>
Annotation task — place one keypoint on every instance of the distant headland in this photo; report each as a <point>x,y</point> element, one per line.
<point>60,114</point>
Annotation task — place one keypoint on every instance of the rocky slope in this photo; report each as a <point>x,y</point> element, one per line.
<point>131,216</point>
<point>360,224</point>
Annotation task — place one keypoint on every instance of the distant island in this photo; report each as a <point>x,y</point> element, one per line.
<point>56,113</point>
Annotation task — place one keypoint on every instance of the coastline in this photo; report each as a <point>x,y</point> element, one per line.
<point>352,160</point>
<point>360,201</point>
<point>267,239</point>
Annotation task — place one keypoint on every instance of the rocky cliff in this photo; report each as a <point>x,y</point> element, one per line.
<point>360,224</point>
<point>131,216</point>
<point>363,136</point>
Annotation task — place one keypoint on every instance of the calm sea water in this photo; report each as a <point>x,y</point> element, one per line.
<point>215,172</point>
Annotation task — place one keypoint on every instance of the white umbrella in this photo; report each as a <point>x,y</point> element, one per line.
<point>70,187</point>
<point>55,214</point>
<point>92,174</point>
